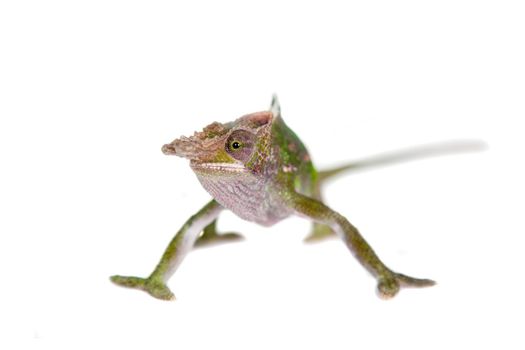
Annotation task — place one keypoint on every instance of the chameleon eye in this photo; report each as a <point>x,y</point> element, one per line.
<point>235,145</point>
<point>240,144</point>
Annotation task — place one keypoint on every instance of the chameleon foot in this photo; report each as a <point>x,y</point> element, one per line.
<point>319,232</point>
<point>388,286</point>
<point>210,236</point>
<point>155,288</point>
<point>212,239</point>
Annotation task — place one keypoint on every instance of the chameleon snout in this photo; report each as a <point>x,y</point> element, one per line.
<point>169,149</point>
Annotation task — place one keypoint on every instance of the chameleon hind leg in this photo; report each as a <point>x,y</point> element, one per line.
<point>319,231</point>
<point>210,236</point>
<point>180,245</point>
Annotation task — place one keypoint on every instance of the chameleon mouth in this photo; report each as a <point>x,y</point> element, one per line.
<point>218,167</point>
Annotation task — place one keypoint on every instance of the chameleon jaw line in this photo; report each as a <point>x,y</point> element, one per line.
<point>228,167</point>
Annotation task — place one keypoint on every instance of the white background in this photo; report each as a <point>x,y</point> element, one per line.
<point>89,92</point>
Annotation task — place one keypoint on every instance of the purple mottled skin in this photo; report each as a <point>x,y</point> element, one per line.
<point>258,168</point>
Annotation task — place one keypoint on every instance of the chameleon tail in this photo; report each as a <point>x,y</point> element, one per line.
<point>320,231</point>
<point>405,155</point>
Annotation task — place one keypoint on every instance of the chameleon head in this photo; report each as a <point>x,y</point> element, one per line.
<point>232,162</point>
<point>241,146</point>
<point>228,149</point>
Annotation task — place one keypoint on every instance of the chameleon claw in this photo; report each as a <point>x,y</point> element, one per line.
<point>154,287</point>
<point>407,281</point>
<point>389,286</point>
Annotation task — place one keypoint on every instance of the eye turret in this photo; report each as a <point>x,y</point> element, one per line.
<point>240,145</point>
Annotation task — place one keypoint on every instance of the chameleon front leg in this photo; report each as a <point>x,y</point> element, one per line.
<point>388,281</point>
<point>210,236</point>
<point>177,249</point>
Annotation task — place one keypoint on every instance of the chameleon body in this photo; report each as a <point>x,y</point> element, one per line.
<point>258,168</point>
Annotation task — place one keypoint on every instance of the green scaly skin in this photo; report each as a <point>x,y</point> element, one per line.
<point>260,170</point>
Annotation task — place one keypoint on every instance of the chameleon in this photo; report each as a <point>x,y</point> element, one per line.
<point>259,169</point>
